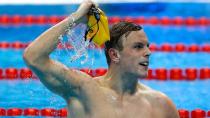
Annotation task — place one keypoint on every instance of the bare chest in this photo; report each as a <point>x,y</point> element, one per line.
<point>106,104</point>
<point>133,107</point>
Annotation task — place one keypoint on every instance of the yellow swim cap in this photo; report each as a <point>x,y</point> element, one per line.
<point>98,28</point>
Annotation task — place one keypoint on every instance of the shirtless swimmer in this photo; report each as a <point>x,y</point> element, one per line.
<point>117,94</point>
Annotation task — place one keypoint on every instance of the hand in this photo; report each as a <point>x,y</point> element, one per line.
<point>81,13</point>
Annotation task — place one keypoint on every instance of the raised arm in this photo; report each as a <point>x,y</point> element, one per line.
<point>54,75</point>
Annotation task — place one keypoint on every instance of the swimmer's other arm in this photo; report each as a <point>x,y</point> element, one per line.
<point>54,75</point>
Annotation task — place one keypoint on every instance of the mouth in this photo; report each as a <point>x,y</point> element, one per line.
<point>144,63</point>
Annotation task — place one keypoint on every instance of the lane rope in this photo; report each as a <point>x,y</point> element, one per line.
<point>153,20</point>
<point>165,47</point>
<point>161,74</point>
<point>52,112</point>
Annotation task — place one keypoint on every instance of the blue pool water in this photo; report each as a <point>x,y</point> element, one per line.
<point>157,60</point>
<point>156,34</point>
<point>185,94</point>
<point>120,9</point>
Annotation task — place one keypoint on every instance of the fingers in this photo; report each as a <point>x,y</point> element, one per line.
<point>84,8</point>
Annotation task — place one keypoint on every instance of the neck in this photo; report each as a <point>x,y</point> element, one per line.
<point>121,82</point>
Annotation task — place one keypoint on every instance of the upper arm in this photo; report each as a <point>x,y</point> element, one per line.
<point>58,78</point>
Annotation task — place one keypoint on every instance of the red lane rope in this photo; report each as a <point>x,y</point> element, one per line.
<point>47,112</point>
<point>153,74</point>
<point>51,112</point>
<point>166,47</point>
<point>41,20</point>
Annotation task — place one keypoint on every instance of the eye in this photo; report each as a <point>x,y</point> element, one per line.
<point>139,46</point>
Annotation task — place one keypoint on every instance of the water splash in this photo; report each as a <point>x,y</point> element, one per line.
<point>75,39</point>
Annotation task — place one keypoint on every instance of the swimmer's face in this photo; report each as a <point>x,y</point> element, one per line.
<point>134,58</point>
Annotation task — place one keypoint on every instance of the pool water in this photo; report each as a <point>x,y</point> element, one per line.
<point>184,94</point>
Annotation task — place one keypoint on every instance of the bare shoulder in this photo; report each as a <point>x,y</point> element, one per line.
<point>144,88</point>
<point>161,101</point>
<point>167,104</point>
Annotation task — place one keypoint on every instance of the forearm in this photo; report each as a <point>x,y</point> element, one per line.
<point>43,45</point>
<point>40,48</point>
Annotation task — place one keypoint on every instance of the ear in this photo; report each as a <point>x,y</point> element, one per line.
<point>114,55</point>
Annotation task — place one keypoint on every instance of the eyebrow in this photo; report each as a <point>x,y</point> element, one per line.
<point>140,43</point>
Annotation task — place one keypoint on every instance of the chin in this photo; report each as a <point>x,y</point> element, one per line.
<point>142,75</point>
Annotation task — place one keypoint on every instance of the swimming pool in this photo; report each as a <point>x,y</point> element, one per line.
<point>169,86</point>
<point>188,95</point>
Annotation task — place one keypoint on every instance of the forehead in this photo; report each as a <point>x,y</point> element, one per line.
<point>136,36</point>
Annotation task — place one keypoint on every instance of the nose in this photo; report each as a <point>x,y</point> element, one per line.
<point>147,52</point>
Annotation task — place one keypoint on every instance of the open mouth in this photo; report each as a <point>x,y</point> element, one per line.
<point>145,63</point>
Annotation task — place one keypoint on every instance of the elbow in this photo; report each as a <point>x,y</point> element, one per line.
<point>32,59</point>
<point>27,57</point>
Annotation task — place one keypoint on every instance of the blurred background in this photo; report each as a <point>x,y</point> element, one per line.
<point>179,33</point>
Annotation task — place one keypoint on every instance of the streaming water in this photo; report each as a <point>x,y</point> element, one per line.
<point>79,51</point>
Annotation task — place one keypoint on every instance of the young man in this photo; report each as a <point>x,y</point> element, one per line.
<point>117,94</point>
